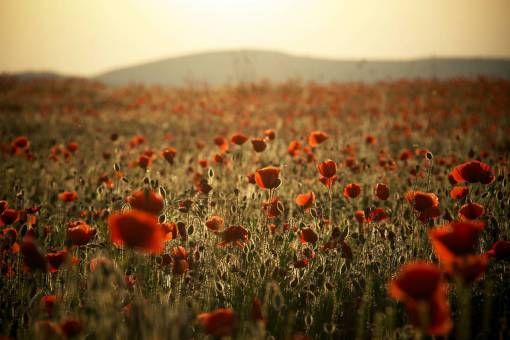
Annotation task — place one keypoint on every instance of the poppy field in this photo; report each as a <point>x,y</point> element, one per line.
<point>258,211</point>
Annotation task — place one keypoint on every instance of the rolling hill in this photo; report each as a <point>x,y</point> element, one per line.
<point>231,67</point>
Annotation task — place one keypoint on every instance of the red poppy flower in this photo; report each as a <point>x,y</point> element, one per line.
<point>68,196</point>
<point>500,250</point>
<point>259,145</point>
<point>169,230</point>
<point>179,253</point>
<point>272,208</point>
<point>149,201</point>
<point>469,268</point>
<point>327,168</point>
<point>238,139</point>
<point>382,191</point>
<point>100,262</point>
<point>49,302</point>
<point>9,216</point>
<point>202,185</point>
<point>104,179</point>
<point>426,204</point>
<point>376,215</point>
<point>360,216</point>
<point>71,327</point>
<point>215,223</point>
<point>222,143</point>
<point>21,142</point>
<point>317,137</point>
<point>293,148</point>
<point>406,155</point>
<point>352,190</point>
<point>308,235</point>
<point>420,287</point>
<point>235,235</point>
<point>204,163</point>
<point>79,233</point>
<point>136,140</point>
<point>34,258</point>
<point>306,200</point>
<point>56,259</point>
<point>471,211</point>
<point>144,162</point>
<point>136,229</point>
<point>267,178</point>
<point>218,323</point>
<point>269,134</point>
<point>455,239</point>
<point>370,140</point>
<point>458,193</point>
<point>169,154</point>
<point>72,147</point>
<point>472,172</point>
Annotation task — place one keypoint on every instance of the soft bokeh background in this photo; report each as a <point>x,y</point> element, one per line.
<point>86,37</point>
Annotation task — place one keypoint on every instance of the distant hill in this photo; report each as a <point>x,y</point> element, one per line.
<point>231,67</point>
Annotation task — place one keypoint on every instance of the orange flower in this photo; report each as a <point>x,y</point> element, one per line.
<point>235,235</point>
<point>79,233</point>
<point>458,193</point>
<point>471,211</point>
<point>267,178</point>
<point>426,204</point>
<point>270,134</point>
<point>222,143</point>
<point>136,229</point>
<point>352,190</point>
<point>68,196</point>
<point>370,140</point>
<point>218,323</point>
<point>293,148</point>
<point>306,200</point>
<point>149,201</point>
<point>317,137</point>
<point>169,154</point>
<point>215,223</point>
<point>308,235</point>
<point>259,145</point>
<point>238,139</point>
<point>169,230</point>
<point>382,191</point>
<point>472,172</point>
<point>420,287</point>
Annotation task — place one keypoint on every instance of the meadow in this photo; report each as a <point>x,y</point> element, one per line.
<point>256,211</point>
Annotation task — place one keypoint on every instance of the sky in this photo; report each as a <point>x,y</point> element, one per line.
<point>88,37</point>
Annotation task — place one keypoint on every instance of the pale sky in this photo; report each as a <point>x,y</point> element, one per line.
<point>87,37</point>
